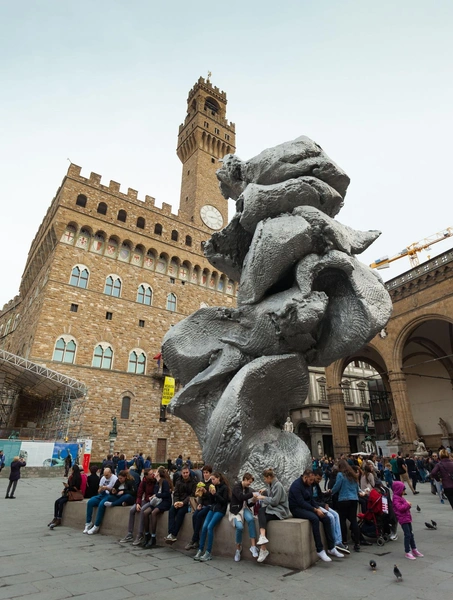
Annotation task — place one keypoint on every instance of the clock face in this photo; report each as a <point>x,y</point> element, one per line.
<point>211,216</point>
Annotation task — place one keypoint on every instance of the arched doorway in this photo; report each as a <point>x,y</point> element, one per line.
<point>303,432</point>
<point>427,363</point>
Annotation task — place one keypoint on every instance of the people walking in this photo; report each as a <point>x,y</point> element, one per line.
<point>444,470</point>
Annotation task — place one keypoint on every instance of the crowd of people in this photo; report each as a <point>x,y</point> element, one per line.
<point>348,487</point>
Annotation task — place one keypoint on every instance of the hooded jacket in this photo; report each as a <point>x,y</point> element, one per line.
<point>401,506</point>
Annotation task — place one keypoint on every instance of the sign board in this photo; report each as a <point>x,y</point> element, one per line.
<point>168,391</point>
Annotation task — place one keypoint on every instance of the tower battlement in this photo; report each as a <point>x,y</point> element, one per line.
<point>209,88</point>
<point>94,180</point>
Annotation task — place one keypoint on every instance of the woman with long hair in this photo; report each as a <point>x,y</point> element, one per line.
<point>159,503</point>
<point>123,493</point>
<point>347,487</point>
<point>219,492</point>
<point>74,484</point>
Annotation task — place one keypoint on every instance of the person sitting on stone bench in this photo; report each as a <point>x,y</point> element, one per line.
<point>323,500</point>
<point>123,493</point>
<point>159,503</point>
<point>201,507</point>
<point>144,493</point>
<point>74,484</point>
<point>303,506</point>
<point>274,507</point>
<point>105,487</point>
<point>243,498</point>
<point>184,489</point>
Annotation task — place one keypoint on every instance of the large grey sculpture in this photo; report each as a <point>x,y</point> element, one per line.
<point>304,299</point>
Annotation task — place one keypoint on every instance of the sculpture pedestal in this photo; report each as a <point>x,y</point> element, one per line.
<point>447,442</point>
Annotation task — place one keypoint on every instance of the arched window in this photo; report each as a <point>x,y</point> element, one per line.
<point>188,240</point>
<point>137,362</point>
<point>113,286</point>
<point>171,302</point>
<point>145,294</point>
<point>81,200</point>
<point>125,407</point>
<point>141,223</point>
<point>102,208</point>
<point>174,235</point>
<point>103,356</point>
<point>79,276</point>
<point>122,214</point>
<point>65,349</point>
<point>158,229</point>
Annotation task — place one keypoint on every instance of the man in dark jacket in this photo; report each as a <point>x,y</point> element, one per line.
<point>303,506</point>
<point>184,489</point>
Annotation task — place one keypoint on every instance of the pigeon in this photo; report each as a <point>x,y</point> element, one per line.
<point>434,524</point>
<point>418,508</point>
<point>429,526</point>
<point>397,573</point>
<point>373,565</point>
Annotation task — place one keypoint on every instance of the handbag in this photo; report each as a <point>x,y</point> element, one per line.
<point>75,496</point>
<point>155,502</point>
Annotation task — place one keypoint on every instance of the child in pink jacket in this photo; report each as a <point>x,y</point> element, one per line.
<point>402,509</point>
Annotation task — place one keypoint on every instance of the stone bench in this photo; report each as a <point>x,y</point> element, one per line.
<point>291,543</point>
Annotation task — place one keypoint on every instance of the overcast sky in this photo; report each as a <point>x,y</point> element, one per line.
<point>105,84</point>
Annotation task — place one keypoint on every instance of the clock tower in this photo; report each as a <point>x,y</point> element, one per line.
<point>204,138</point>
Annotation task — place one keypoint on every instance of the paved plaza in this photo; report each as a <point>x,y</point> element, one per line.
<point>39,564</point>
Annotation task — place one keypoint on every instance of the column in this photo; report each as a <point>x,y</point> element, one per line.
<point>338,421</point>
<point>407,430</point>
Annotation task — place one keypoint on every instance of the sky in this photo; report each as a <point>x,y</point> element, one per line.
<point>104,84</point>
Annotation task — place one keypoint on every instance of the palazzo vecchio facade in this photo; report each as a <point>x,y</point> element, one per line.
<point>108,274</point>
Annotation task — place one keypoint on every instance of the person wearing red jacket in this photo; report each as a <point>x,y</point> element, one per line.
<point>144,493</point>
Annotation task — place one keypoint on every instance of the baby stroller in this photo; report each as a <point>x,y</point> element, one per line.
<point>376,522</point>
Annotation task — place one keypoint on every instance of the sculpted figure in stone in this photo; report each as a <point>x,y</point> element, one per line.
<point>394,431</point>
<point>304,299</point>
<point>288,426</point>
<point>420,448</point>
<point>443,425</point>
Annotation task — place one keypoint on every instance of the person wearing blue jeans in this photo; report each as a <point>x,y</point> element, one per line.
<point>219,495</point>
<point>202,508</point>
<point>106,484</point>
<point>242,497</point>
<point>123,493</point>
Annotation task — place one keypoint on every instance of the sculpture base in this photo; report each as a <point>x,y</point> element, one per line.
<point>447,442</point>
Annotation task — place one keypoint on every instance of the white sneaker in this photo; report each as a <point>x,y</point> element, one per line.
<point>108,504</point>
<point>254,551</point>
<point>263,540</point>
<point>93,530</point>
<point>334,552</point>
<point>237,555</point>
<point>323,556</point>
<point>88,526</point>
<point>263,555</point>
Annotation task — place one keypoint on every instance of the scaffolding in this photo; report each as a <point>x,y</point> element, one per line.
<point>50,403</point>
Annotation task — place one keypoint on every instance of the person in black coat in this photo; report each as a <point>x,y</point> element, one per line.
<point>74,484</point>
<point>184,489</point>
<point>242,497</point>
<point>220,496</point>
<point>159,503</point>
<point>14,476</point>
<point>93,481</point>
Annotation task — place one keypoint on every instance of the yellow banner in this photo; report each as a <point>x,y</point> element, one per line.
<point>169,390</point>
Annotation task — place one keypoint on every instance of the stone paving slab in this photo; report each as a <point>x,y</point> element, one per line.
<point>39,564</point>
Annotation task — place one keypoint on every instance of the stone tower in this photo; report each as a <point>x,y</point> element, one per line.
<point>204,138</point>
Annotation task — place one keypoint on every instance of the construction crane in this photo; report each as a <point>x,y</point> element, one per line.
<point>412,250</point>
